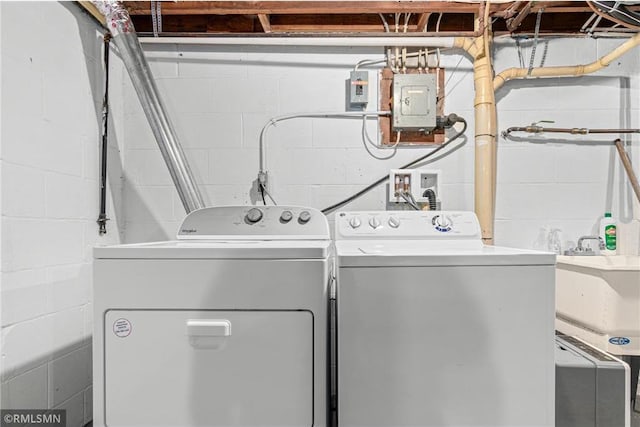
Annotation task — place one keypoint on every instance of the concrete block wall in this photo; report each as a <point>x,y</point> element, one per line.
<point>220,97</point>
<point>52,88</point>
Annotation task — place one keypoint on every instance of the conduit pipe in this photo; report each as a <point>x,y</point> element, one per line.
<point>125,38</point>
<point>567,71</point>
<point>406,40</point>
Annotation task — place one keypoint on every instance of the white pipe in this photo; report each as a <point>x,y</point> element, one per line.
<point>274,120</point>
<point>416,41</point>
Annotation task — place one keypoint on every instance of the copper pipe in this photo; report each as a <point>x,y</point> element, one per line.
<point>626,162</point>
<point>573,131</point>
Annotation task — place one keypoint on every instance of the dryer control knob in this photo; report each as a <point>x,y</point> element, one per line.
<point>442,223</point>
<point>355,222</point>
<point>394,222</point>
<point>254,215</point>
<point>304,217</point>
<point>286,216</point>
<point>374,222</point>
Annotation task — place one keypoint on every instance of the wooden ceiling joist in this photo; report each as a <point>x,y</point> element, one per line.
<point>359,16</point>
<point>304,7</point>
<point>264,21</point>
<point>423,20</point>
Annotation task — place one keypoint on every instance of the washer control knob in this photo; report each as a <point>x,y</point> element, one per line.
<point>286,216</point>
<point>304,217</point>
<point>394,222</point>
<point>442,223</point>
<point>355,222</point>
<point>374,222</point>
<point>254,215</point>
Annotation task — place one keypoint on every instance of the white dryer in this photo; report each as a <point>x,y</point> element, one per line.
<point>227,326</point>
<point>436,329</point>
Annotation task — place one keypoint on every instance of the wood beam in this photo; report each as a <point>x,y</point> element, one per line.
<point>306,7</point>
<point>423,20</point>
<point>93,11</point>
<point>264,21</point>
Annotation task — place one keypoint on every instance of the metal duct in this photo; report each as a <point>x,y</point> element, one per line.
<point>125,38</point>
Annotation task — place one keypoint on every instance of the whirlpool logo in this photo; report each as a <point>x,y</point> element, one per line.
<point>619,340</point>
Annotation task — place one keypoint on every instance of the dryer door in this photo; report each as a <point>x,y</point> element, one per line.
<point>208,368</point>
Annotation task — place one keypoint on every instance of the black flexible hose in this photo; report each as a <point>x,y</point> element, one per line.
<point>102,216</point>
<point>407,166</point>
<point>431,195</point>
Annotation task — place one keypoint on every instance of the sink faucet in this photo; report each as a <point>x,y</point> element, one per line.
<point>583,238</point>
<point>579,250</point>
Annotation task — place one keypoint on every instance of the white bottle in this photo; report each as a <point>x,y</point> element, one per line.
<point>608,231</point>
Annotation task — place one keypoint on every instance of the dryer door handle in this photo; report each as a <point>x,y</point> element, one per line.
<point>208,328</point>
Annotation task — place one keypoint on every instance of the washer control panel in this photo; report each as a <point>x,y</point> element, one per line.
<point>407,225</point>
<point>246,222</point>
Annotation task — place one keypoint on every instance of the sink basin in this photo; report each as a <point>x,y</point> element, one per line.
<point>598,300</point>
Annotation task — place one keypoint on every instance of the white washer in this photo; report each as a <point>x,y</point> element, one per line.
<point>227,326</point>
<point>435,329</point>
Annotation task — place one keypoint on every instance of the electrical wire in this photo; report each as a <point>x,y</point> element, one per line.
<point>273,121</point>
<point>367,140</point>
<point>384,23</point>
<point>407,166</point>
<point>438,30</point>
<point>633,20</point>
<point>367,62</point>
<point>263,191</point>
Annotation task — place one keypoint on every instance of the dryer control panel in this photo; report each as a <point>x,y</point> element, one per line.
<point>250,222</point>
<point>404,225</point>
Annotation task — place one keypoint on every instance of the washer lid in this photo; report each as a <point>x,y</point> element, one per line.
<point>405,253</point>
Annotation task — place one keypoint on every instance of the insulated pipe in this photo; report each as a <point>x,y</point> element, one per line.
<point>567,71</point>
<point>124,36</point>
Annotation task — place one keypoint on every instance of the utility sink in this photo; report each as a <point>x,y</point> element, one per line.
<point>598,300</point>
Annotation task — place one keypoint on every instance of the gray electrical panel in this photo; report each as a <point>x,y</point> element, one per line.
<point>590,386</point>
<point>414,102</point>
<point>359,88</point>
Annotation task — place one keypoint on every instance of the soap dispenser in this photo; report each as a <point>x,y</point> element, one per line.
<point>608,231</point>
